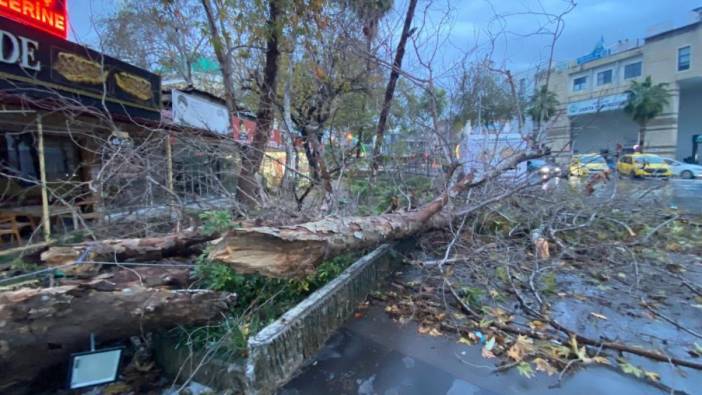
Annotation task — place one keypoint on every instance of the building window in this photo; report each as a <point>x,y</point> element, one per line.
<point>684,58</point>
<point>604,77</point>
<point>20,158</point>
<point>579,84</point>
<point>632,70</point>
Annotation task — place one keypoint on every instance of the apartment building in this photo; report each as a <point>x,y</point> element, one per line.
<point>592,92</point>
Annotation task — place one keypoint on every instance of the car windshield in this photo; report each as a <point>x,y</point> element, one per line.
<point>587,159</point>
<point>650,159</point>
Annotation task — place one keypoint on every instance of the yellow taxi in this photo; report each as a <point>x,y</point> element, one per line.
<point>643,165</point>
<point>583,165</point>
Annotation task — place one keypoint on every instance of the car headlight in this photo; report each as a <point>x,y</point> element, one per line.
<point>544,169</point>
<point>557,169</point>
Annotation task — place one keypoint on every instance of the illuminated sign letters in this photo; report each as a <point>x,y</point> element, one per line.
<point>19,50</point>
<point>47,15</point>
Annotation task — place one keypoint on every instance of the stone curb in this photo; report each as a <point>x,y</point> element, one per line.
<point>281,348</point>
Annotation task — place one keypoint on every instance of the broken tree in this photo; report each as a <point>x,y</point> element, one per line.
<point>149,248</point>
<point>296,250</point>
<point>40,328</point>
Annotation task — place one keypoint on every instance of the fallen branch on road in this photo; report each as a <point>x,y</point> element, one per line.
<point>582,339</point>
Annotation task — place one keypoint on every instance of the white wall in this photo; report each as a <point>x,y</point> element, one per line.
<point>689,119</point>
<point>593,132</point>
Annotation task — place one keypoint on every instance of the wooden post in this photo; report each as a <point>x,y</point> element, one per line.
<point>46,223</point>
<point>169,182</point>
<point>169,160</point>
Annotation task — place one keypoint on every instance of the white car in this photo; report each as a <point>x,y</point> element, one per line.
<point>684,170</point>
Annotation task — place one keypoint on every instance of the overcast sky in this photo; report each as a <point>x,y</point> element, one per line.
<point>471,22</point>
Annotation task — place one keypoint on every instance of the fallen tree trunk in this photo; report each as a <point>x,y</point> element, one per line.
<point>150,248</point>
<point>40,328</point>
<point>147,249</point>
<point>296,250</point>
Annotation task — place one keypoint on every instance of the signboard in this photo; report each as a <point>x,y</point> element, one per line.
<point>600,104</point>
<point>597,53</point>
<point>199,112</point>
<point>47,15</point>
<point>37,66</point>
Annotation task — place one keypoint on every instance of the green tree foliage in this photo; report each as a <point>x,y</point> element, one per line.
<point>483,96</point>
<point>542,105</point>
<point>369,12</point>
<point>646,101</point>
<point>162,36</point>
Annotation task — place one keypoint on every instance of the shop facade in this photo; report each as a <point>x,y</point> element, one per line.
<point>68,114</point>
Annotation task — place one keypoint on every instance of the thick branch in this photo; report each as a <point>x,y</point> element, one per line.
<point>151,248</point>
<point>296,250</point>
<point>40,328</point>
<point>390,88</point>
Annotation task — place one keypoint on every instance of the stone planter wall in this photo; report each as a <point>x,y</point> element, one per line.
<point>279,349</point>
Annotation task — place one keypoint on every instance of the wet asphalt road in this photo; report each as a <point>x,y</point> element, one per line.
<point>682,195</point>
<point>686,195</point>
<point>374,355</point>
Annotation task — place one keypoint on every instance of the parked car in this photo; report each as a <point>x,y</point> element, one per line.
<point>643,165</point>
<point>684,170</point>
<point>582,165</point>
<point>545,168</point>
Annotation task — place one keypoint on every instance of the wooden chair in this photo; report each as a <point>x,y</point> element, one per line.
<point>88,207</point>
<point>85,208</point>
<point>10,226</point>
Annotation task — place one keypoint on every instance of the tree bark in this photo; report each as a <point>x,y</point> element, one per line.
<point>151,249</point>
<point>297,250</point>
<point>40,328</point>
<point>318,153</point>
<point>390,88</point>
<point>642,137</point>
<point>222,47</point>
<point>247,191</point>
<point>289,177</point>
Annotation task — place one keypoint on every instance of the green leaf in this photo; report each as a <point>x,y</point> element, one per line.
<point>217,221</point>
<point>628,368</point>
<point>525,370</point>
<point>490,344</point>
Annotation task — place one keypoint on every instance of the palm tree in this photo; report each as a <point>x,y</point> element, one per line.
<point>370,12</point>
<point>543,105</point>
<point>645,102</point>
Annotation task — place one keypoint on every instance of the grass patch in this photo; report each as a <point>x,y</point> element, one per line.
<point>261,300</point>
